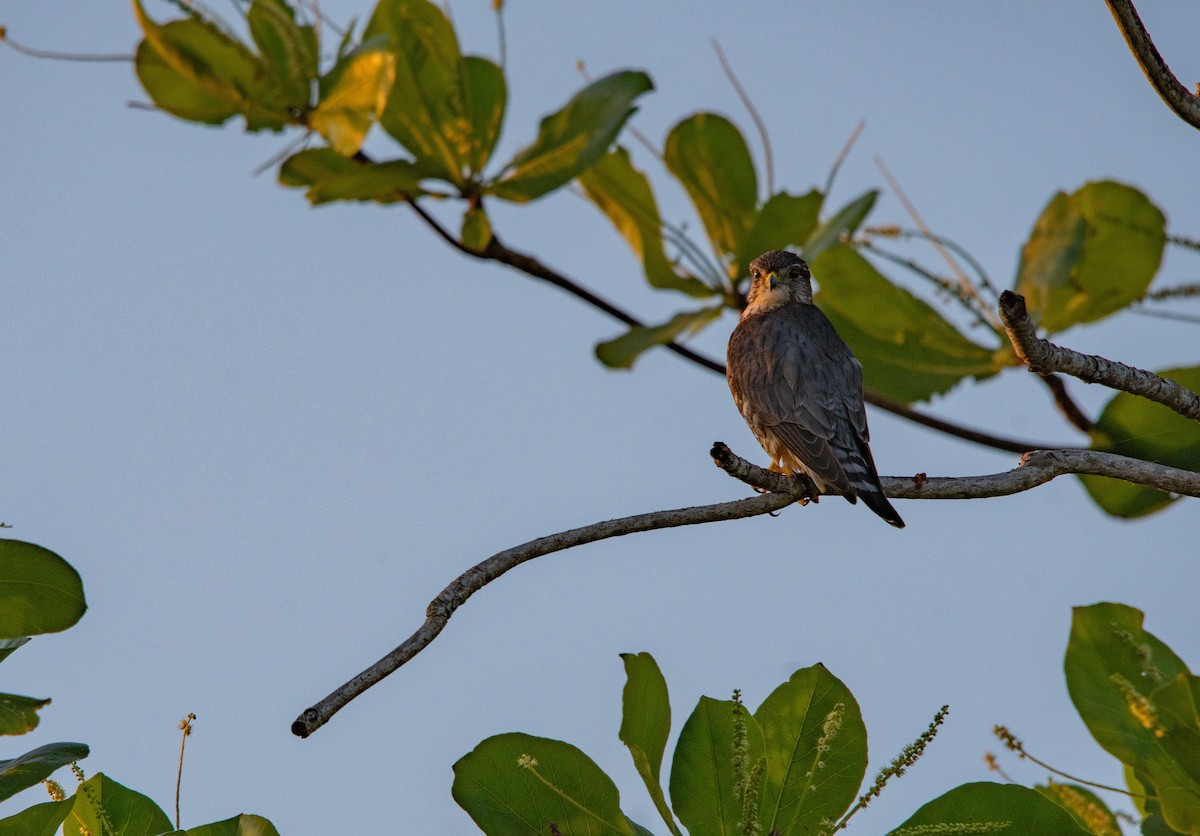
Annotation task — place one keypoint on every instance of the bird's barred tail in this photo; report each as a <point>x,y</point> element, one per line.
<point>860,469</point>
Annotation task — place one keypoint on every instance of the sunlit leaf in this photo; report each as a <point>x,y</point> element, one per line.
<point>1088,809</point>
<point>785,220</point>
<point>623,194</point>
<point>330,176</point>
<point>289,50</point>
<point>19,715</point>
<point>353,95</point>
<point>1133,426</point>
<point>622,352</point>
<point>702,771</point>
<point>1090,254</point>
<point>816,749</point>
<point>992,808</point>
<point>646,723</point>
<point>476,228</point>
<point>1121,679</point>
<point>484,95</point>
<point>843,223</point>
<point>39,820</point>
<point>908,351</point>
<point>520,784</point>
<point>243,825</point>
<point>573,138</point>
<point>211,67</point>
<point>424,111</point>
<point>37,765</point>
<point>128,811</point>
<point>39,591</point>
<point>708,155</point>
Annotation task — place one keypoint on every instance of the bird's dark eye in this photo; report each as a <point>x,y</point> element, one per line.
<point>794,272</point>
<point>754,272</point>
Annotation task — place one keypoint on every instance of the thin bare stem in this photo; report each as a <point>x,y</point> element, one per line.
<point>1066,404</point>
<point>1043,356</point>
<point>1183,291</point>
<point>759,124</point>
<point>842,155</point>
<point>1172,315</point>
<point>1185,105</point>
<point>1035,468</point>
<point>63,56</point>
<point>948,286</point>
<point>985,282</point>
<point>185,725</point>
<point>968,286</point>
<point>1013,743</point>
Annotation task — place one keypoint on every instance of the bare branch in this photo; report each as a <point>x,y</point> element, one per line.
<point>1042,356</point>
<point>1066,404</point>
<point>1172,91</point>
<point>1036,468</point>
<point>475,578</point>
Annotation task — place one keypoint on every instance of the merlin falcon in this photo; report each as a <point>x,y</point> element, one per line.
<point>799,387</point>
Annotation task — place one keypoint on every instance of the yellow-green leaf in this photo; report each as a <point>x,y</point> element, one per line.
<point>623,194</point>
<point>1090,254</point>
<point>908,351</point>
<point>289,50</point>
<point>476,228</point>
<point>353,94</point>
<point>573,138</point>
<point>708,155</point>
<point>785,220</point>
<point>1133,426</point>
<point>622,352</point>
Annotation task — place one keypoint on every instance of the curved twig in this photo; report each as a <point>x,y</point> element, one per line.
<point>1036,468</point>
<point>1043,356</point>
<point>1178,98</point>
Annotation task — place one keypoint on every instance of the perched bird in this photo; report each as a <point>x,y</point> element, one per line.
<point>799,387</point>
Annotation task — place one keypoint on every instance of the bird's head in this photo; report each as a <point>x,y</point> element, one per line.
<point>778,278</point>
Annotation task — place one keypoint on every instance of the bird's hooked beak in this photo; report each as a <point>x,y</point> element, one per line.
<point>772,280</point>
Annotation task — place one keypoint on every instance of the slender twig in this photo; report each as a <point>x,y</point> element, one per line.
<point>1182,291</point>
<point>968,286</point>
<point>1013,743</point>
<point>1043,356</point>
<point>185,725</point>
<point>62,56</point>
<point>985,282</point>
<point>1035,468</point>
<point>1184,241</point>
<point>1178,98</point>
<point>759,124</point>
<point>1066,404</point>
<point>1172,315</point>
<point>842,155</point>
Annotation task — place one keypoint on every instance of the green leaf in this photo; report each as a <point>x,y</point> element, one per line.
<point>1120,679</point>
<point>37,765</point>
<point>484,95</point>
<point>353,95</point>
<point>708,155</point>
<point>330,176</point>
<point>243,825</point>
<point>128,811</point>
<point>1090,254</point>
<point>623,194</point>
<point>39,591</point>
<point>424,111</point>
<point>783,221</point>
<point>623,351</point>
<point>1087,808</point>
<point>991,808</point>
<point>558,784</point>
<point>289,51</point>
<point>476,229</point>
<point>646,723</point>
<point>702,772</point>
<point>38,820</point>
<point>816,749</point>
<point>1133,426</point>
<point>844,223</point>
<point>19,715</point>
<point>219,68</point>
<point>908,351</point>
<point>7,646</point>
<point>573,138</point>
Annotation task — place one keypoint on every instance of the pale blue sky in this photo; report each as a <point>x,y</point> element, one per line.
<point>268,435</point>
